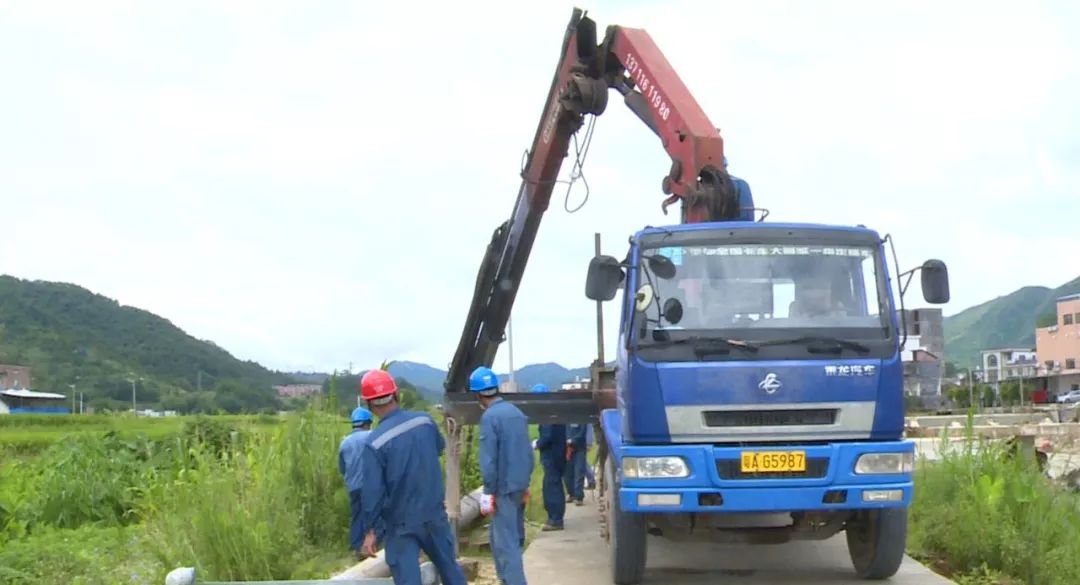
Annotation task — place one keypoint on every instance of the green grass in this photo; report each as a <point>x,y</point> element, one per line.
<point>987,518</point>
<point>25,435</point>
<point>256,497</point>
<point>118,499</point>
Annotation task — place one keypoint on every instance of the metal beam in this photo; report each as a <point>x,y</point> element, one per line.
<point>563,407</point>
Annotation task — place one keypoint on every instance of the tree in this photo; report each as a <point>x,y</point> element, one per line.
<point>1046,320</point>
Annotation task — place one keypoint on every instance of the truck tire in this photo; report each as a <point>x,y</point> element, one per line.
<point>876,541</point>
<point>627,534</point>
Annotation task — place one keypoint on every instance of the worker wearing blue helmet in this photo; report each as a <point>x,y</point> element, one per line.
<point>350,465</point>
<point>552,446</point>
<point>746,198</point>
<point>506,464</point>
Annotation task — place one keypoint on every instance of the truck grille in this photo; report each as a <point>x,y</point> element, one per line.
<point>769,418</point>
<point>816,468</point>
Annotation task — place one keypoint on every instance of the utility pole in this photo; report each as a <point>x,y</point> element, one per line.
<point>132,380</point>
<point>198,379</point>
<point>1021,386</point>
<point>971,390</point>
<point>599,314</point>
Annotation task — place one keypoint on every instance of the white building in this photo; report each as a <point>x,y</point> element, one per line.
<point>1009,363</point>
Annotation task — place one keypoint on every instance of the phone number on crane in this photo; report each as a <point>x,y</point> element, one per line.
<point>647,87</point>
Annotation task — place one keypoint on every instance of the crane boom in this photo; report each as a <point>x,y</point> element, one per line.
<point>628,61</point>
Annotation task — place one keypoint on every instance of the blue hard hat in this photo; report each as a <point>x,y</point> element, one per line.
<point>483,379</point>
<point>361,415</point>
<point>540,388</point>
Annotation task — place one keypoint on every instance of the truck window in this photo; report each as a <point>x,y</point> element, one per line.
<point>762,286</point>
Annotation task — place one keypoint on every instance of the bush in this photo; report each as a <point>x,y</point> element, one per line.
<point>87,479</point>
<point>256,512</point>
<point>982,511</point>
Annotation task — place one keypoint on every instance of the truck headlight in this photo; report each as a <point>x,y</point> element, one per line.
<point>885,463</point>
<point>654,467</point>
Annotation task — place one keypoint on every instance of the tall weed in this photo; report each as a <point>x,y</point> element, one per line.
<point>981,510</point>
<point>255,511</point>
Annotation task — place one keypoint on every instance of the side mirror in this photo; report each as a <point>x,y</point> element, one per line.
<point>673,311</point>
<point>661,266</point>
<point>605,276</point>
<point>935,282</point>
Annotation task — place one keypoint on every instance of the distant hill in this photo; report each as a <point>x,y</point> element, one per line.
<point>550,374</point>
<point>1007,321</point>
<point>426,379</point>
<point>70,335</point>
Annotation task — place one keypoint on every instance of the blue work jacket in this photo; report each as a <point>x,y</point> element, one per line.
<point>576,435</point>
<point>506,457</point>
<point>350,463</point>
<point>403,482</point>
<point>552,445</point>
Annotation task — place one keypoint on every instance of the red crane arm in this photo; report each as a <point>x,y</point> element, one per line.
<point>628,61</point>
<point>637,69</point>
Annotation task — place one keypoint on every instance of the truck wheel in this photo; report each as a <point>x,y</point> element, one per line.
<point>876,540</point>
<point>626,534</point>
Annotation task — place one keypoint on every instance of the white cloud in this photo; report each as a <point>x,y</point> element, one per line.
<point>310,186</point>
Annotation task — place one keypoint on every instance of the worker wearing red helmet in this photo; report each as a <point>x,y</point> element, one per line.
<point>403,486</point>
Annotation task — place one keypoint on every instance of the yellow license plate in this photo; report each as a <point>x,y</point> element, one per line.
<point>770,461</point>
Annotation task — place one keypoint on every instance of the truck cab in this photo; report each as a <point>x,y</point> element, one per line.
<point>759,391</point>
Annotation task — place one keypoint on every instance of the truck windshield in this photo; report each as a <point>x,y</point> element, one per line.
<point>760,291</point>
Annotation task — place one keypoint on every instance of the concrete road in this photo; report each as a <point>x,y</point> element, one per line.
<point>578,556</point>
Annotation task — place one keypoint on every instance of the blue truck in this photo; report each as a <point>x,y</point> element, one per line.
<point>757,390</point>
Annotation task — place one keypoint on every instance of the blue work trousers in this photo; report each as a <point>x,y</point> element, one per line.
<point>507,530</point>
<point>436,540</point>
<point>574,475</point>
<point>554,502</point>
<point>585,472</point>
<point>356,525</point>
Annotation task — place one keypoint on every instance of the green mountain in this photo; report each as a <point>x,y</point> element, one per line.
<point>1007,321</point>
<point>69,335</point>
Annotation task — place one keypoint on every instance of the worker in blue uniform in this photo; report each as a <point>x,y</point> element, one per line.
<point>551,444</point>
<point>349,464</point>
<point>403,487</point>
<point>573,475</point>
<point>746,198</point>
<point>506,464</point>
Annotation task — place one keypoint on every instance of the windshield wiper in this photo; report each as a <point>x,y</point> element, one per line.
<point>831,344</point>
<point>703,346</point>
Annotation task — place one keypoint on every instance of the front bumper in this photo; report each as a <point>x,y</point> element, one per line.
<point>716,484</point>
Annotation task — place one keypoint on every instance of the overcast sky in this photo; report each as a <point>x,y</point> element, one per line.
<point>313,184</point>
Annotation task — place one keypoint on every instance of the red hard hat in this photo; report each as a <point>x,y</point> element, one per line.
<point>377,384</point>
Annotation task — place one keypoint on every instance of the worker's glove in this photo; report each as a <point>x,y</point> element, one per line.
<point>487,504</point>
<point>534,443</point>
<point>525,498</point>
